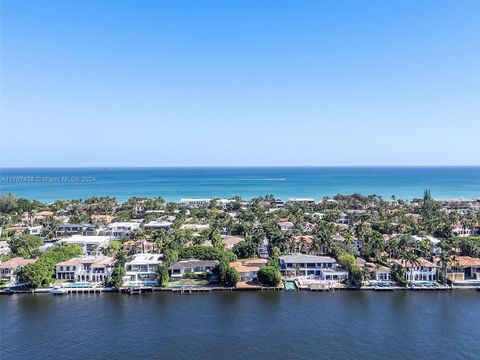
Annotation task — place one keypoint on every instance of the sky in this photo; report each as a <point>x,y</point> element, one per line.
<point>239,83</point>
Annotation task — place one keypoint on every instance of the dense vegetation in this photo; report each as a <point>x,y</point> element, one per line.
<point>42,272</point>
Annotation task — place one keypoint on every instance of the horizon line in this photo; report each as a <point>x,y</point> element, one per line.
<point>233,166</point>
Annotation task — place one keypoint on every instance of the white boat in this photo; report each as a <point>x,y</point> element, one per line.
<point>57,290</point>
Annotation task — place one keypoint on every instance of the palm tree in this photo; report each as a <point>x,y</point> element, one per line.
<point>410,260</point>
<point>446,259</point>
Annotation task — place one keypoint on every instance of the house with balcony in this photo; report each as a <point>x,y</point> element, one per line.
<point>322,267</point>
<point>179,269</point>
<point>418,271</point>
<point>142,270</point>
<point>9,269</point>
<point>90,269</point>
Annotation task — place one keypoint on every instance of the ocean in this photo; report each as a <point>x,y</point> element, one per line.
<point>242,325</point>
<point>49,184</point>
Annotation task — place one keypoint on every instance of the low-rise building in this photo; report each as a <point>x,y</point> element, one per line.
<point>158,225</point>
<point>4,248</point>
<point>198,267</point>
<point>309,201</point>
<point>143,270</point>
<point>198,228</point>
<point>465,271</point>
<point>9,269</point>
<point>195,202</point>
<point>85,269</point>
<point>121,229</point>
<point>69,229</point>
<point>418,271</point>
<point>324,267</point>
<point>247,272</point>
<point>35,230</point>
<point>231,241</point>
<point>89,244</point>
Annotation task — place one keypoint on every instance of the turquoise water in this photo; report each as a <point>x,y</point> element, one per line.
<point>49,184</point>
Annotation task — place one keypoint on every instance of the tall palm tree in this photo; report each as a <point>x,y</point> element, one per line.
<point>446,259</point>
<point>410,260</point>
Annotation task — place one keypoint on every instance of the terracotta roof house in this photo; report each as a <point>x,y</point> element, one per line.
<point>9,268</point>
<point>465,271</point>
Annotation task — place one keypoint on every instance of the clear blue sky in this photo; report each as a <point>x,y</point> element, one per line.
<point>237,82</point>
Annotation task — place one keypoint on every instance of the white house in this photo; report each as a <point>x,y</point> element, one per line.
<point>422,270</point>
<point>436,250</point>
<point>182,267</point>
<point>68,229</point>
<point>324,267</point>
<point>195,202</point>
<point>89,244</point>
<point>142,270</point>
<point>121,229</point>
<point>302,200</point>
<point>36,230</point>
<point>85,269</point>
<point>158,225</point>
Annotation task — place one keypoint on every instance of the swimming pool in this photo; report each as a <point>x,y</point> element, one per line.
<point>80,285</point>
<point>290,286</point>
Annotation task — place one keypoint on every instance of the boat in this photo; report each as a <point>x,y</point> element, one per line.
<point>134,291</point>
<point>8,291</point>
<point>57,290</point>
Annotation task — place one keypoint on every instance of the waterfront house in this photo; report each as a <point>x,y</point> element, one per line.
<point>9,269</point>
<point>324,267</point>
<point>89,244</point>
<point>85,269</point>
<point>464,271</point>
<point>198,267</point>
<point>143,269</point>
<point>121,229</point>
<point>421,270</point>
<point>247,272</point>
<point>380,273</point>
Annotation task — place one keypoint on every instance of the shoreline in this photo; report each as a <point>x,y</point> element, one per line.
<point>124,291</point>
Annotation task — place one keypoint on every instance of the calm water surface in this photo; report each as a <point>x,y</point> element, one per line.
<point>175,183</point>
<point>242,325</point>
